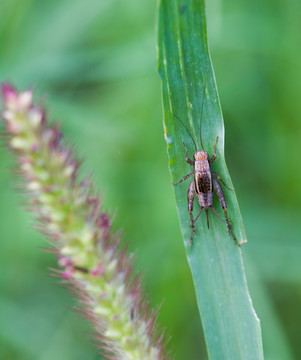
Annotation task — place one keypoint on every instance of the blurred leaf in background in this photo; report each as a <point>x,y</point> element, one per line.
<point>96,63</point>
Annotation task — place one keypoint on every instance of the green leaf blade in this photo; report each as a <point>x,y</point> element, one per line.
<point>231,327</point>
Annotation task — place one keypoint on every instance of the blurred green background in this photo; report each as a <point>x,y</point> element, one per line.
<point>96,63</point>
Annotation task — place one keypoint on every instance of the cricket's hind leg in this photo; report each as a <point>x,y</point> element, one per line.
<point>220,194</point>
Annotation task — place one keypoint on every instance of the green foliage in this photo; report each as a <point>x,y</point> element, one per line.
<point>230,324</point>
<point>96,63</point>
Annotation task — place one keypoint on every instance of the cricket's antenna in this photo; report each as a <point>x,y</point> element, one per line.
<point>188,132</point>
<point>202,117</point>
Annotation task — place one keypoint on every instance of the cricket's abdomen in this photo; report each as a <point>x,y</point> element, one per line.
<point>203,183</point>
<point>205,200</point>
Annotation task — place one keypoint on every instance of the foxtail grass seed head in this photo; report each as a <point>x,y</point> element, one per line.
<point>70,214</point>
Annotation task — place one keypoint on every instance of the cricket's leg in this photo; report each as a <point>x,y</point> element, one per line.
<point>219,192</point>
<point>221,180</point>
<point>184,178</point>
<point>191,162</point>
<point>190,196</point>
<point>214,156</point>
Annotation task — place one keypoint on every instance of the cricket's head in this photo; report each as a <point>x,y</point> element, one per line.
<point>200,155</point>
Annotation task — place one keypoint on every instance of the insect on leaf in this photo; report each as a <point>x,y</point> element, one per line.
<point>231,327</point>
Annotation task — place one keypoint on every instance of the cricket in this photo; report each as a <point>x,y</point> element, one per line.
<point>204,183</point>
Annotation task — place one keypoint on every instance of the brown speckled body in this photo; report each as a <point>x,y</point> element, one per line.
<point>202,186</point>
<point>203,179</point>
